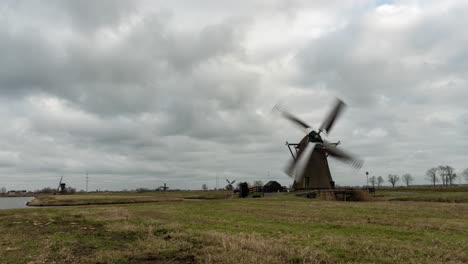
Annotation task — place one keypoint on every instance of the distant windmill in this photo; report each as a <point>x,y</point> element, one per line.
<point>163,188</point>
<point>230,186</point>
<point>61,187</point>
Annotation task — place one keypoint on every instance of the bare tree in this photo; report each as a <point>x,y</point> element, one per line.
<point>373,181</point>
<point>71,190</point>
<point>451,175</point>
<point>441,170</point>
<point>393,179</point>
<point>140,190</point>
<point>407,179</point>
<point>447,174</point>
<point>47,190</point>
<point>380,180</point>
<point>465,175</point>
<point>204,187</point>
<point>431,175</point>
<point>258,183</point>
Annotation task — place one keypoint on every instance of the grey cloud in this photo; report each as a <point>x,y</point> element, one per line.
<point>125,77</point>
<point>142,93</point>
<point>89,17</point>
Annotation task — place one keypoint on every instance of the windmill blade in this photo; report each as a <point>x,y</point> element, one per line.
<point>327,124</point>
<point>227,181</point>
<point>60,183</point>
<point>290,167</point>
<point>233,181</point>
<point>342,156</point>
<point>292,118</point>
<point>303,162</point>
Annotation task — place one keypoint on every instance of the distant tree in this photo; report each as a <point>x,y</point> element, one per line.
<point>393,179</point>
<point>441,172</point>
<point>407,179</point>
<point>205,187</point>
<point>373,181</point>
<point>258,183</point>
<point>453,177</point>
<point>47,190</point>
<point>380,180</point>
<point>3,190</point>
<point>71,190</point>
<point>447,174</point>
<point>464,175</point>
<point>431,175</point>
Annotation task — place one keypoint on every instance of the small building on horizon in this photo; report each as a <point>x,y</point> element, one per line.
<point>16,192</point>
<point>272,186</point>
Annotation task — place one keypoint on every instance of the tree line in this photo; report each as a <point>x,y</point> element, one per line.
<point>444,174</point>
<point>393,179</point>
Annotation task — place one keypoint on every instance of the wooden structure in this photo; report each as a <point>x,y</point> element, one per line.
<point>316,173</point>
<point>309,165</point>
<point>243,189</point>
<point>272,186</point>
<point>230,186</point>
<point>61,189</point>
<point>163,188</point>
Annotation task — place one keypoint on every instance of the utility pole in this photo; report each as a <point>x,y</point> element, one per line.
<point>367,176</point>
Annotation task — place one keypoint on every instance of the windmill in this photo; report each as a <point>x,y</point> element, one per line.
<point>230,186</point>
<point>309,165</point>
<point>61,187</point>
<point>163,188</point>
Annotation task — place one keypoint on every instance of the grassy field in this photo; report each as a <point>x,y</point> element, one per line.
<point>426,194</point>
<point>274,229</point>
<point>124,198</point>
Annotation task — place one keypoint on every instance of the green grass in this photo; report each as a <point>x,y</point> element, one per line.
<point>428,194</point>
<point>274,229</point>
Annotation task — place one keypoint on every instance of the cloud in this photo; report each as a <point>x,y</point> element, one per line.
<point>145,92</point>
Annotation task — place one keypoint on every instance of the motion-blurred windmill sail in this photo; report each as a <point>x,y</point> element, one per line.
<point>61,187</point>
<point>230,186</point>
<point>163,187</point>
<point>309,164</point>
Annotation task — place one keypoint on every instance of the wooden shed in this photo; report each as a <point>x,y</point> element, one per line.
<point>272,186</point>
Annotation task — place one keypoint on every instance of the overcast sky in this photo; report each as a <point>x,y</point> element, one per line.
<point>146,92</point>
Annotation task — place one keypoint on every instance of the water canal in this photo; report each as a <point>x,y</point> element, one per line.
<point>14,202</point>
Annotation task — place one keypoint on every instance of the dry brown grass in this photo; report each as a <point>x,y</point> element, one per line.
<point>276,229</point>
<point>253,248</point>
<point>360,196</point>
<point>213,247</point>
<point>327,196</point>
<point>68,200</point>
